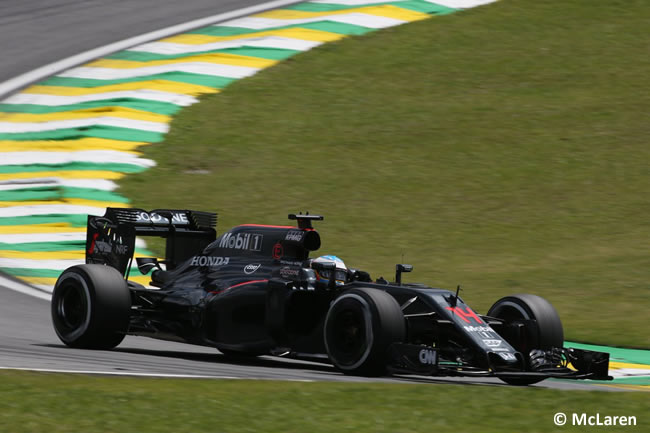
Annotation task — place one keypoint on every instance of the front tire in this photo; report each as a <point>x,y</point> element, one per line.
<point>545,333</point>
<point>360,326</point>
<point>91,306</point>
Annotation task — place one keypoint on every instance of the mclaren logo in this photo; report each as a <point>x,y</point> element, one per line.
<point>247,241</point>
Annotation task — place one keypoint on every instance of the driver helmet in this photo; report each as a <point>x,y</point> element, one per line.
<point>323,275</point>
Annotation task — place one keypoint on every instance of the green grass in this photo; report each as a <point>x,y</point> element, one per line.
<point>503,148</point>
<point>33,402</point>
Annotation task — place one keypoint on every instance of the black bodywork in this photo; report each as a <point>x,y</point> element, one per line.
<point>250,291</point>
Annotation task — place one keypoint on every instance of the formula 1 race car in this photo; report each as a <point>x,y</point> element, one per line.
<point>254,290</point>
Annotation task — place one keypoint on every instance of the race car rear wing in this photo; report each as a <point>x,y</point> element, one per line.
<point>110,239</point>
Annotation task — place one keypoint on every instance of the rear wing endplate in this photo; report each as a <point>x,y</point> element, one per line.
<point>110,239</point>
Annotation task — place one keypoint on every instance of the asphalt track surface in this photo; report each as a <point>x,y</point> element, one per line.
<point>28,341</point>
<point>34,33</point>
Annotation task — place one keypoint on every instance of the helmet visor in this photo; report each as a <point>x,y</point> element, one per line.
<point>339,274</point>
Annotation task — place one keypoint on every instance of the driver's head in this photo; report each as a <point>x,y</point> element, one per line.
<point>323,275</point>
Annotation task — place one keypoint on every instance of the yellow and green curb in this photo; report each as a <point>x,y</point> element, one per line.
<point>66,140</point>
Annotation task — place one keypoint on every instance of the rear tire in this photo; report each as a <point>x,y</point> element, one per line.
<point>90,307</point>
<point>546,333</point>
<point>360,326</point>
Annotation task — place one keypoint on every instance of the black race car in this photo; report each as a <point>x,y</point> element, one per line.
<point>254,290</point>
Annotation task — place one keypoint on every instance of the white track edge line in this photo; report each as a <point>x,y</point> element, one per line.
<point>14,84</point>
<point>38,74</point>
<point>25,288</point>
<point>139,374</point>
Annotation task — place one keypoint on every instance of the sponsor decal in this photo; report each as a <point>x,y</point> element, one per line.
<point>178,218</point>
<point>492,343</point>
<point>291,263</point>
<point>209,261</point>
<point>120,249</point>
<point>101,247</point>
<point>294,235</point>
<point>246,241</point>
<point>465,314</point>
<point>478,329</point>
<point>250,269</point>
<point>487,335</point>
<point>278,251</point>
<point>104,247</point>
<point>508,356</point>
<point>427,357</point>
<point>93,244</point>
<point>289,273</point>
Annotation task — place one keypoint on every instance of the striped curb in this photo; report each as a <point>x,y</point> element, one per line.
<point>629,367</point>
<point>66,140</point>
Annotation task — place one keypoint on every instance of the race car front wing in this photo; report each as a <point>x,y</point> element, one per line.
<point>561,363</point>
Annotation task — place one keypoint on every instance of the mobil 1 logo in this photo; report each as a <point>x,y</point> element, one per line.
<point>246,241</point>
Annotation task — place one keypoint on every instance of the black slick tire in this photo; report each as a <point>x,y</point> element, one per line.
<point>360,326</point>
<point>91,306</point>
<point>546,333</point>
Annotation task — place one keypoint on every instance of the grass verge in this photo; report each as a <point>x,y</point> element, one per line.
<point>37,402</point>
<point>502,148</point>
